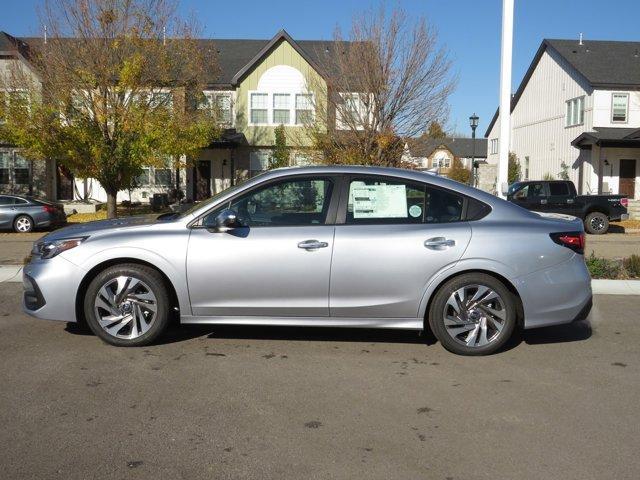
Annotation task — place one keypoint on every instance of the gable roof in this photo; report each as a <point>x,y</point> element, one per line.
<point>603,63</point>
<point>460,147</point>
<point>235,57</point>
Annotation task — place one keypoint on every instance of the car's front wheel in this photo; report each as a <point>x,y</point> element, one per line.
<point>473,314</point>
<point>126,305</point>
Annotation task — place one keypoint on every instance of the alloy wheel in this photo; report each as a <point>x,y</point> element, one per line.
<point>125,307</point>
<point>597,224</point>
<point>23,224</point>
<point>474,315</point>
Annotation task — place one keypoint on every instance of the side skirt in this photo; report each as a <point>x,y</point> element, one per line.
<point>400,323</point>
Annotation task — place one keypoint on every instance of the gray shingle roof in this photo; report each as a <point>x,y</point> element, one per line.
<point>608,135</point>
<point>460,146</point>
<point>603,63</point>
<point>232,54</point>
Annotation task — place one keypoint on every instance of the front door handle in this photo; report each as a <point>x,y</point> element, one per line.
<point>312,244</point>
<point>439,243</point>
<point>543,201</point>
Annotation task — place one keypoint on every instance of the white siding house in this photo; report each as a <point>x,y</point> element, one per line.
<point>578,109</point>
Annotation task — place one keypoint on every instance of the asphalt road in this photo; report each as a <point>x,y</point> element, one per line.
<point>283,403</point>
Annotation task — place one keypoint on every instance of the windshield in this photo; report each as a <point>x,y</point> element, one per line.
<point>211,200</point>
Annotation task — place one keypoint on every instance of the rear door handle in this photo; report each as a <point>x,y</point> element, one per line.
<point>312,244</point>
<point>439,243</point>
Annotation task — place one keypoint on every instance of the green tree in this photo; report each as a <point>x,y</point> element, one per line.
<point>435,130</point>
<point>514,172</point>
<point>458,172</point>
<point>114,89</point>
<point>280,156</point>
<point>564,171</point>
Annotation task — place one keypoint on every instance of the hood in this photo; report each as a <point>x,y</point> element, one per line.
<point>91,228</point>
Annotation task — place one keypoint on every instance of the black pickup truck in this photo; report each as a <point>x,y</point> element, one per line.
<point>559,196</point>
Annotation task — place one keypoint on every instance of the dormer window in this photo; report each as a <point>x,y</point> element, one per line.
<point>575,112</point>
<point>619,107</point>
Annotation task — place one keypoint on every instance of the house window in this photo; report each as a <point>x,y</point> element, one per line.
<point>575,112</point>
<point>259,108</point>
<point>5,165</point>
<point>219,105</point>
<point>161,100</point>
<point>352,112</point>
<point>20,171</point>
<point>281,108</point>
<point>493,146</point>
<point>619,107</point>
<point>144,179</point>
<point>304,109</point>
<point>162,177</point>
<point>442,160</point>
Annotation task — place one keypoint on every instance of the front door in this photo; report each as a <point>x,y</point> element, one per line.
<point>627,178</point>
<point>396,236</point>
<point>532,196</point>
<point>277,264</point>
<point>202,183</point>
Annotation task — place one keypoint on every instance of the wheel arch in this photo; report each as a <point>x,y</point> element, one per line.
<point>96,269</point>
<point>18,215</point>
<point>436,286</point>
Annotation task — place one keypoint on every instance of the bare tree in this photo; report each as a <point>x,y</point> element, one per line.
<point>113,89</point>
<point>388,79</point>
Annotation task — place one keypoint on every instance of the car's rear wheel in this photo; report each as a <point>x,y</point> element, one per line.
<point>473,314</point>
<point>126,305</point>
<point>23,224</point>
<point>596,223</point>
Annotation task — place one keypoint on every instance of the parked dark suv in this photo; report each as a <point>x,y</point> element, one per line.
<point>23,214</point>
<point>559,196</point>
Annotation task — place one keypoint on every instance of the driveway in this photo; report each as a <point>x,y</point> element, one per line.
<point>282,403</point>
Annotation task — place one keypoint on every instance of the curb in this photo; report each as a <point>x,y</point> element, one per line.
<point>13,274</point>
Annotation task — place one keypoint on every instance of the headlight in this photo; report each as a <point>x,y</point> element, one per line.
<point>51,249</point>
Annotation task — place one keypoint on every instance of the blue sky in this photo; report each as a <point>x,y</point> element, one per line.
<point>469,29</point>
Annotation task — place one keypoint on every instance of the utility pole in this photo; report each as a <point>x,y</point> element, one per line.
<point>505,96</point>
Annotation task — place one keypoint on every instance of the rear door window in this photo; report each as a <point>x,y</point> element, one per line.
<point>381,201</point>
<point>559,189</point>
<point>5,200</point>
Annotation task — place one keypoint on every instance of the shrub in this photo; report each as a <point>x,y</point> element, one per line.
<point>632,265</point>
<point>603,267</point>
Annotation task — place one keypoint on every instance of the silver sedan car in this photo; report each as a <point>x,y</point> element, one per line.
<point>321,246</point>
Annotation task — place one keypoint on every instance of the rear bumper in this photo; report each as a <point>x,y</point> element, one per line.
<point>556,295</point>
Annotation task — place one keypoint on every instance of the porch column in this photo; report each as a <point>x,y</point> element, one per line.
<point>596,161</point>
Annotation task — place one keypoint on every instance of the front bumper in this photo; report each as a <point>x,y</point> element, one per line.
<point>50,288</point>
<point>556,295</point>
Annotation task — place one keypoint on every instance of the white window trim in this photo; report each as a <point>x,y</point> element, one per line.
<point>569,120</point>
<point>210,96</point>
<point>626,115</point>
<point>270,109</point>
<point>493,145</point>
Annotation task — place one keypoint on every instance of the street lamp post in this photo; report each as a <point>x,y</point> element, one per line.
<point>473,121</point>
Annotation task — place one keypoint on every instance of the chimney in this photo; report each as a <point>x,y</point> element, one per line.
<point>580,42</point>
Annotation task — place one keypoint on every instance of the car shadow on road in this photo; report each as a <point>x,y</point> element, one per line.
<point>571,332</point>
<point>311,334</point>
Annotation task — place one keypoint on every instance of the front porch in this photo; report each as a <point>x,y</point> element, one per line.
<point>610,161</point>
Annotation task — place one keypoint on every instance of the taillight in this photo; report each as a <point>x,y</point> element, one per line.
<point>624,202</point>
<point>576,241</point>
<point>49,209</point>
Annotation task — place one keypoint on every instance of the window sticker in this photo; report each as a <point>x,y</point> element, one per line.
<point>379,201</point>
<point>415,211</point>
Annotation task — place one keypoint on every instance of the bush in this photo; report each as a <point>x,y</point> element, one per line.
<point>632,266</point>
<point>458,172</point>
<point>603,267</point>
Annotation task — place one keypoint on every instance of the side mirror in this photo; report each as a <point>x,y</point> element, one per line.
<point>226,220</point>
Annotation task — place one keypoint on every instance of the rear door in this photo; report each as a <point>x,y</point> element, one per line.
<point>561,200</point>
<point>392,237</point>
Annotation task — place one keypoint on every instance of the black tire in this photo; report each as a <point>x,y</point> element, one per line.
<point>153,280</point>
<point>596,223</point>
<point>23,224</point>
<point>437,314</point>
